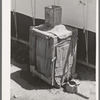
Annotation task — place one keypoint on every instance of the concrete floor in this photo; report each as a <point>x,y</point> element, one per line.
<point>26,87</point>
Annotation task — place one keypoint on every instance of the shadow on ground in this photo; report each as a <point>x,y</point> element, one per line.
<point>27,81</point>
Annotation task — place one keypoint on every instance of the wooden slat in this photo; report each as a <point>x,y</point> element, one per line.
<point>20,40</point>
<point>53,15</point>
<point>53,41</point>
<point>34,72</point>
<point>32,50</point>
<point>74,56</point>
<point>48,57</point>
<point>43,56</point>
<point>42,34</point>
<point>40,55</point>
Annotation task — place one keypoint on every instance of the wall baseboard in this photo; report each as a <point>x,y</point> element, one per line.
<point>86,64</point>
<point>20,40</point>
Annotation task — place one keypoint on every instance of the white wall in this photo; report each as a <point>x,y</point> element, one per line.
<point>72,11</point>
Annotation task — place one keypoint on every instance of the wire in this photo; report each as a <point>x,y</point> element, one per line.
<point>33,14</point>
<point>58,2</point>
<point>87,30</point>
<point>54,2</point>
<point>15,18</point>
<point>83,18</point>
<point>13,6</point>
<point>85,21</point>
<point>32,11</point>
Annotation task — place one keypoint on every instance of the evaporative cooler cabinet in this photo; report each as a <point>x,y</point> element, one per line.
<point>52,59</point>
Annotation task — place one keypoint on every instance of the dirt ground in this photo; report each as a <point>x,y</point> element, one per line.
<point>26,87</point>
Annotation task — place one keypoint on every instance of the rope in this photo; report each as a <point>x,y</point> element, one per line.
<point>13,6</point>
<point>84,28</point>
<point>87,32</point>
<point>33,14</point>
<point>54,2</point>
<point>58,2</point>
<point>15,18</point>
<point>83,3</point>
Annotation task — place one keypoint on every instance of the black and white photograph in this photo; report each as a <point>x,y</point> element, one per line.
<point>53,50</point>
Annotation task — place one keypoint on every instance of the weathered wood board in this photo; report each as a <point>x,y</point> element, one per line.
<point>53,58</point>
<point>53,15</point>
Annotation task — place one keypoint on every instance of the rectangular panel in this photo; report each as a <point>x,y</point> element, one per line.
<point>43,56</point>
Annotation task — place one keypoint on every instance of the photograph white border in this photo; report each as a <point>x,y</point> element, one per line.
<point>6,44</point>
<point>6,22</point>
